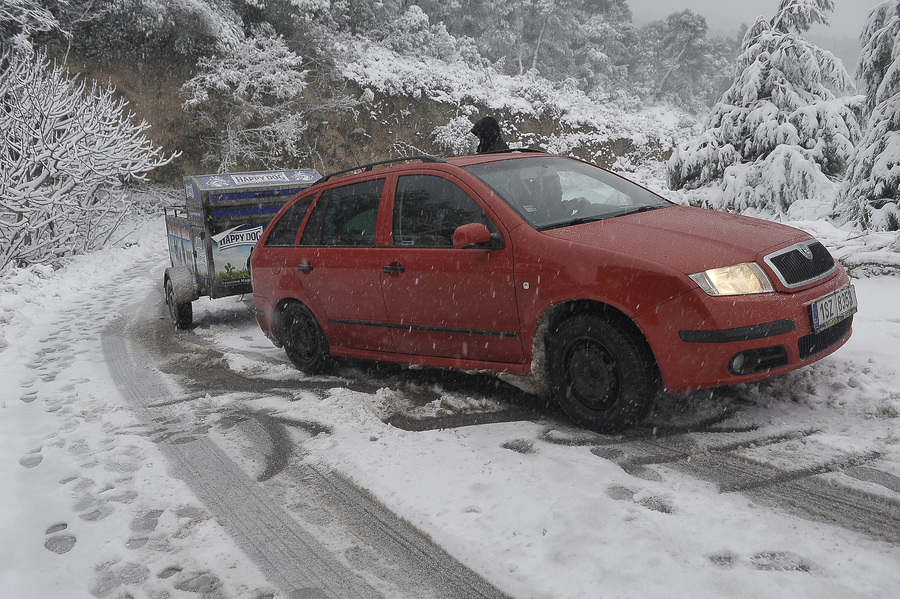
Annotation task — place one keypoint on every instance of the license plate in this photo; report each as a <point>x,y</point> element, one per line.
<point>833,308</point>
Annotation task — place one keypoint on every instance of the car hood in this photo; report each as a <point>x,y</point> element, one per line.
<point>686,239</point>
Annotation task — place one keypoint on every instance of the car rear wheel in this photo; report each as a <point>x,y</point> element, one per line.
<point>600,375</point>
<point>303,339</point>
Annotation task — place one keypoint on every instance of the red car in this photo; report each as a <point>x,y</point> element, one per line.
<point>593,288</point>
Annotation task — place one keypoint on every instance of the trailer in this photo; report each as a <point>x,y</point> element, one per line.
<point>211,237</point>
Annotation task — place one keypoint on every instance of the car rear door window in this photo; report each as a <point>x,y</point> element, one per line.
<point>428,209</point>
<point>345,216</point>
<point>284,231</point>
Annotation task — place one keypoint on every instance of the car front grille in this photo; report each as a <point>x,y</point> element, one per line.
<point>802,263</point>
<point>811,345</point>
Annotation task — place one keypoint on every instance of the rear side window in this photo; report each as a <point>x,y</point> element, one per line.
<point>345,216</point>
<point>284,232</point>
<point>427,209</point>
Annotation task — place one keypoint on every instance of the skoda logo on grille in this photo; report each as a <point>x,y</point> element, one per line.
<point>805,251</point>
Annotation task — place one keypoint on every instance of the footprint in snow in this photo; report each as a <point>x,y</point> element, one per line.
<point>657,504</point>
<point>97,514</point>
<point>780,561</point>
<point>524,446</point>
<point>111,576</point>
<point>769,561</point>
<point>59,543</point>
<point>32,459</point>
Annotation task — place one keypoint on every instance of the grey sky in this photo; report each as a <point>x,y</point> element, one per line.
<point>727,15</point>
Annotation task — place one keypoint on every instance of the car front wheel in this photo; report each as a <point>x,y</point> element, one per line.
<point>303,340</point>
<point>600,375</point>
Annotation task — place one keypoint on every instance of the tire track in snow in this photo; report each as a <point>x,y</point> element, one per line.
<point>395,560</point>
<point>799,490</point>
<point>288,558</point>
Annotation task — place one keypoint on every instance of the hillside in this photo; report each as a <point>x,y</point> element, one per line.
<point>398,105</point>
<point>381,80</point>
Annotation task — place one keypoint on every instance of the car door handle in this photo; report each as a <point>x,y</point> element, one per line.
<point>394,267</point>
<point>304,266</point>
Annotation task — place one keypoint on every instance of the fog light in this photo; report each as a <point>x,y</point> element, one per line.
<point>758,360</point>
<point>745,362</point>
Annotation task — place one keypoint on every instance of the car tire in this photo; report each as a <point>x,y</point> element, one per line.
<point>603,378</point>
<point>182,314</point>
<point>303,340</point>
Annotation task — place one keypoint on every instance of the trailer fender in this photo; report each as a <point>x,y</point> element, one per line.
<point>184,284</point>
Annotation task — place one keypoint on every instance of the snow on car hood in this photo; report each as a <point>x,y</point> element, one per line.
<point>686,239</point>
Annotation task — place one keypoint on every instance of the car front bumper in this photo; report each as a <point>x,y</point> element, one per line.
<point>701,341</point>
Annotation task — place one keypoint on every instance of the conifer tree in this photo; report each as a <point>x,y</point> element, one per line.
<point>786,128</point>
<point>872,191</point>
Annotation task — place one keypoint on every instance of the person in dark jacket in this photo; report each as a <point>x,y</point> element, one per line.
<point>487,130</point>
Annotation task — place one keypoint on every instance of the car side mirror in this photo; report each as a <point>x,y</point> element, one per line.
<point>471,234</point>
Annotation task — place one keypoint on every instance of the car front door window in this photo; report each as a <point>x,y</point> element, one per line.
<point>345,216</point>
<point>443,301</point>
<point>428,209</point>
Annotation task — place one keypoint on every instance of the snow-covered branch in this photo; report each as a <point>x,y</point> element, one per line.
<point>65,152</point>
<point>20,19</point>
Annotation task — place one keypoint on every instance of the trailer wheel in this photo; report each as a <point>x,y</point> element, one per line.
<point>182,314</point>
<point>303,339</point>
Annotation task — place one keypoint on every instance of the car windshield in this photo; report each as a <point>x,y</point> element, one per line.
<point>554,191</point>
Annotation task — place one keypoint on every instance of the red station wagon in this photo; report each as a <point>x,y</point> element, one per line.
<point>594,289</point>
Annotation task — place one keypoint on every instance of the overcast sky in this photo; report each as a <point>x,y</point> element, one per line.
<point>846,20</point>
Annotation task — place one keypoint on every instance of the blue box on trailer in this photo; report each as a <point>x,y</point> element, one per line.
<point>223,217</point>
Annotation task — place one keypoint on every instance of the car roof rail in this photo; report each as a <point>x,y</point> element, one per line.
<point>525,150</point>
<point>367,167</point>
<point>513,150</point>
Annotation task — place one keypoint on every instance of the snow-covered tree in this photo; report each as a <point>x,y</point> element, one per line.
<point>177,32</point>
<point>677,63</point>
<point>786,128</point>
<point>871,195</point>
<point>560,39</point>
<point>250,103</point>
<point>65,151</point>
<point>20,19</point>
<point>412,33</point>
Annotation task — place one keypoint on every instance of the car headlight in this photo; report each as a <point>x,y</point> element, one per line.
<point>740,279</point>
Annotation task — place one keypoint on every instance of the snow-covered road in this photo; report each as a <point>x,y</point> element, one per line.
<point>741,492</point>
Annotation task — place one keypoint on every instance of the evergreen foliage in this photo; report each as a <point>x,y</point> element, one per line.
<point>786,128</point>
<point>677,63</point>
<point>250,102</point>
<point>871,195</point>
<point>179,33</point>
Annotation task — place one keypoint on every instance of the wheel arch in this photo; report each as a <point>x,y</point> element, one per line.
<point>557,313</point>
<point>184,283</point>
<point>278,317</point>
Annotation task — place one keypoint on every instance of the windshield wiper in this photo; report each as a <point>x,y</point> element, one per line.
<point>584,219</point>
<point>598,217</point>
<point>639,209</point>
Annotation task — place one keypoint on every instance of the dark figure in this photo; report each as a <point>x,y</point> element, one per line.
<point>488,133</point>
